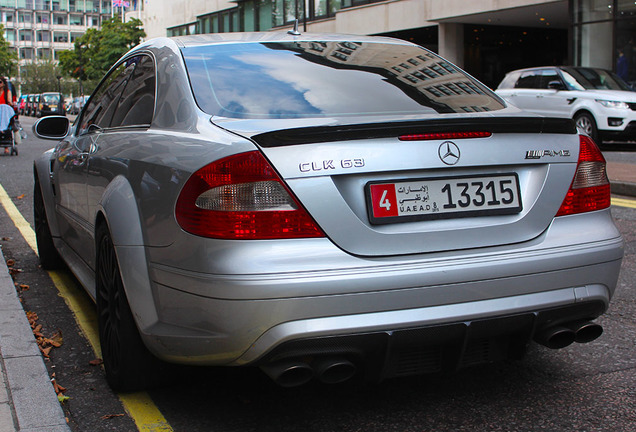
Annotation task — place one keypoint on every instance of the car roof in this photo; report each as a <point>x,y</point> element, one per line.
<point>262,37</point>
<point>555,67</point>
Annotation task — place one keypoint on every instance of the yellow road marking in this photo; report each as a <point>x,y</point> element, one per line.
<point>139,405</point>
<point>624,202</point>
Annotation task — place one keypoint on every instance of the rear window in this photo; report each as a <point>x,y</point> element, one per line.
<point>329,79</point>
<point>50,99</point>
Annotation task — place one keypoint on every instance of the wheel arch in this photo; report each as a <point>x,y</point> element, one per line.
<point>118,210</point>
<point>42,175</point>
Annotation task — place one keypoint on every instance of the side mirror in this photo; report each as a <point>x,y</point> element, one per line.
<point>556,85</point>
<point>52,127</point>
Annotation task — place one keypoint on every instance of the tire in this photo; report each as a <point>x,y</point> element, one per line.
<point>49,257</point>
<point>128,364</point>
<point>586,123</point>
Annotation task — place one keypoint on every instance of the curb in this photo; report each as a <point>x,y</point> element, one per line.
<point>623,188</point>
<point>30,395</point>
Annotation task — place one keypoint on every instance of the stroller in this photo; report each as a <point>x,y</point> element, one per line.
<point>7,124</point>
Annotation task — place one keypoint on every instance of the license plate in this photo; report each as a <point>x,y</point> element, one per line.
<point>443,198</point>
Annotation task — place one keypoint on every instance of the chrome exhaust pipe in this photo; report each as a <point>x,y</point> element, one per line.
<point>555,337</point>
<point>334,370</point>
<point>289,373</point>
<point>585,331</point>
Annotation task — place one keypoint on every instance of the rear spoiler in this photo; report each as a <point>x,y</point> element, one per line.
<point>318,134</point>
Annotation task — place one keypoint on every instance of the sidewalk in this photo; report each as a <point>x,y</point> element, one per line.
<point>27,397</point>
<point>27,400</point>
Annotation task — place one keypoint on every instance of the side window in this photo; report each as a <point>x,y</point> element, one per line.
<point>104,101</point>
<point>548,76</point>
<point>529,80</point>
<point>137,103</point>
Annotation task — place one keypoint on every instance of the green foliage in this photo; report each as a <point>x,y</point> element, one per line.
<point>40,77</point>
<point>8,57</point>
<point>97,50</point>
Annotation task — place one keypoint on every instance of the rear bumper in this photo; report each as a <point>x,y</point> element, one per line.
<point>251,318</point>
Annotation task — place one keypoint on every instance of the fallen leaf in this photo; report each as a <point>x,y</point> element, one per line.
<point>24,287</point>
<point>96,362</point>
<point>46,351</point>
<point>110,416</point>
<point>10,261</point>
<point>62,398</point>
<point>56,340</point>
<point>6,238</point>
<point>21,196</point>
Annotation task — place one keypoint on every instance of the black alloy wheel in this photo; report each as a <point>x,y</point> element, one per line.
<point>49,257</point>
<point>128,364</point>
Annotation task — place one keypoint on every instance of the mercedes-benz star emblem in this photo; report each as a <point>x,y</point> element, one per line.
<point>449,153</point>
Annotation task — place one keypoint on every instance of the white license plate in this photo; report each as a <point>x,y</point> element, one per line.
<point>442,198</point>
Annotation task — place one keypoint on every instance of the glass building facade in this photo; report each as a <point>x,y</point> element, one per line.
<point>604,35</point>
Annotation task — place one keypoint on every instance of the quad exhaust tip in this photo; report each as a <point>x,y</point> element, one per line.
<point>293,373</point>
<point>563,335</point>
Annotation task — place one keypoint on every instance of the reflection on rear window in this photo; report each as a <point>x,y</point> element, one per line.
<point>51,98</point>
<point>329,79</point>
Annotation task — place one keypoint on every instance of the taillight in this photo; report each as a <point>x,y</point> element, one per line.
<point>242,197</point>
<point>590,189</point>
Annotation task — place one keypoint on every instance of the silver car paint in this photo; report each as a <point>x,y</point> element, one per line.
<point>229,302</point>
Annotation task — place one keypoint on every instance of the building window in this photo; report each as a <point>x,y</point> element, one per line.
<point>76,20</point>
<point>25,17</point>
<point>605,36</point>
<point>75,36</point>
<point>76,6</point>
<point>60,37</point>
<point>44,36</point>
<point>44,53</point>
<point>7,17</point>
<point>224,21</point>
<point>9,35</point>
<point>60,19</point>
<point>42,18</point>
<point>26,53</point>
<point>43,4</point>
<point>184,30</point>
<point>26,35</point>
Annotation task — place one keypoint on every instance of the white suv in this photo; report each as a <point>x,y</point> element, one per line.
<point>600,102</point>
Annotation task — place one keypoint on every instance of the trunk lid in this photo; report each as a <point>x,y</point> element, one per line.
<point>505,187</point>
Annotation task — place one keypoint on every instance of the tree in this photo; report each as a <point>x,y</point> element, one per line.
<point>8,56</point>
<point>97,50</point>
<point>40,77</point>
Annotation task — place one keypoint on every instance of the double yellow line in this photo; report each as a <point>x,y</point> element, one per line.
<point>139,406</point>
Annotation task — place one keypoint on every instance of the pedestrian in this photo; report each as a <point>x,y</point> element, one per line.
<point>622,66</point>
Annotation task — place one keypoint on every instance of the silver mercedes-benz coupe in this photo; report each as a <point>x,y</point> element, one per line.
<point>321,206</point>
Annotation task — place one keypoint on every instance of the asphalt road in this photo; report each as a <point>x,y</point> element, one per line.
<point>589,387</point>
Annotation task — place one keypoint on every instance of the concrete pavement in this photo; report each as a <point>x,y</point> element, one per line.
<point>28,402</point>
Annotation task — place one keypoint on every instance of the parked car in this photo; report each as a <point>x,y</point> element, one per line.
<point>22,104</point>
<point>599,101</point>
<point>32,102</point>
<point>50,104</point>
<point>321,206</point>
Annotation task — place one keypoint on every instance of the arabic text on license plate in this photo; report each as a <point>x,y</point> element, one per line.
<point>443,198</point>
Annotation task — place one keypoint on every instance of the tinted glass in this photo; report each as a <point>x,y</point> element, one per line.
<point>104,101</point>
<point>529,79</point>
<point>137,102</point>
<point>50,98</point>
<point>329,79</point>
<point>548,76</point>
<point>597,79</point>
